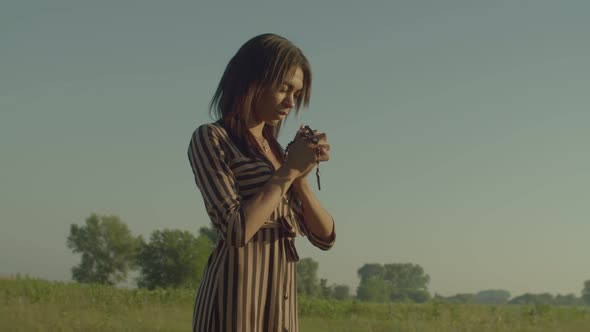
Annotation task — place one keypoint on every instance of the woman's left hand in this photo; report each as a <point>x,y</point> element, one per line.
<point>323,152</point>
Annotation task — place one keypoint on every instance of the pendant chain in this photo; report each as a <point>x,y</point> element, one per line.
<point>264,144</point>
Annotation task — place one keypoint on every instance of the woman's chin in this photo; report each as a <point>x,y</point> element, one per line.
<point>273,122</point>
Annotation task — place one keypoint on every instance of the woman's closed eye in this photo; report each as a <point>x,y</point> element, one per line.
<point>287,89</point>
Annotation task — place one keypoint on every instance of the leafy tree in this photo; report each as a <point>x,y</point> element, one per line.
<point>393,282</point>
<point>172,259</point>
<point>325,290</point>
<point>569,299</point>
<point>307,279</point>
<point>418,295</point>
<point>371,271</point>
<point>528,298</point>
<point>374,290</point>
<point>341,292</point>
<point>414,295</point>
<point>406,276</point>
<point>107,247</point>
<point>457,298</point>
<point>210,233</point>
<point>492,296</point>
<point>586,292</point>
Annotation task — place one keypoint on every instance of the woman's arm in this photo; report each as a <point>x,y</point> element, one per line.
<point>237,220</point>
<point>315,217</point>
<point>259,208</point>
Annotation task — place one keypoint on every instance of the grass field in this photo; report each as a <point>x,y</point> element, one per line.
<point>35,305</point>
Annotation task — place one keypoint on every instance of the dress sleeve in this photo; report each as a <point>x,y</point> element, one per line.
<point>324,244</point>
<point>217,184</point>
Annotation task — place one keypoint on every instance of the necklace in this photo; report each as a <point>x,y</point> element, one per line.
<point>264,144</point>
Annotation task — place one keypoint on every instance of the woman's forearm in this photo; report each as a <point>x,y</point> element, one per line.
<point>258,209</point>
<point>317,219</point>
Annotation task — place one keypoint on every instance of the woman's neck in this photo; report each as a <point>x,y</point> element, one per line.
<point>255,128</point>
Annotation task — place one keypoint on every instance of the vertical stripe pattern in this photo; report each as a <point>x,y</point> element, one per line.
<point>247,286</point>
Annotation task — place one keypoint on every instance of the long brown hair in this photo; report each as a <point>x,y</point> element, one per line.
<point>264,61</point>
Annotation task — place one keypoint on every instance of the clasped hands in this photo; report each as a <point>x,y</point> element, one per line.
<point>308,148</point>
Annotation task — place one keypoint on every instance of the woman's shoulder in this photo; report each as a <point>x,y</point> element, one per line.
<point>211,131</point>
<point>217,134</point>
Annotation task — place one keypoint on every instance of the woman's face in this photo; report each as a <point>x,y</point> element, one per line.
<point>276,103</point>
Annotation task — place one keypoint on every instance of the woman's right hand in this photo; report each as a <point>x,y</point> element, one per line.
<point>303,154</point>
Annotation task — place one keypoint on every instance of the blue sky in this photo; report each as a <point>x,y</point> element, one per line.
<point>459,129</point>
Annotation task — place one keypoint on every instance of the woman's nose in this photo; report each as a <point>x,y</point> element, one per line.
<point>289,100</point>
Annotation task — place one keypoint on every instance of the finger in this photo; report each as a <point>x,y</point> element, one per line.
<point>322,153</point>
<point>324,146</point>
<point>323,157</point>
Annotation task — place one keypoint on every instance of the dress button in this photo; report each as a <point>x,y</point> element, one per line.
<point>286,296</point>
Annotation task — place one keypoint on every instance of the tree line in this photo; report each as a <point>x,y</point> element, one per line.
<point>169,259</point>
<point>176,259</point>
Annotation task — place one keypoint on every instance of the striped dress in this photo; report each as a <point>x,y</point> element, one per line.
<point>247,286</point>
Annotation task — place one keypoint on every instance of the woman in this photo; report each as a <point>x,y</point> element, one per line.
<point>255,193</point>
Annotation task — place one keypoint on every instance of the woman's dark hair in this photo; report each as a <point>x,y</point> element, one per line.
<point>264,61</point>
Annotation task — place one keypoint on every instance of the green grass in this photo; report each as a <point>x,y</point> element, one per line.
<point>35,305</point>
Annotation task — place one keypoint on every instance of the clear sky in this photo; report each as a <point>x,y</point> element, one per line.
<point>459,129</point>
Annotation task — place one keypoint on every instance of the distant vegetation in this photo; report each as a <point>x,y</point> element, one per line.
<point>37,305</point>
<point>389,297</point>
<point>176,259</point>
